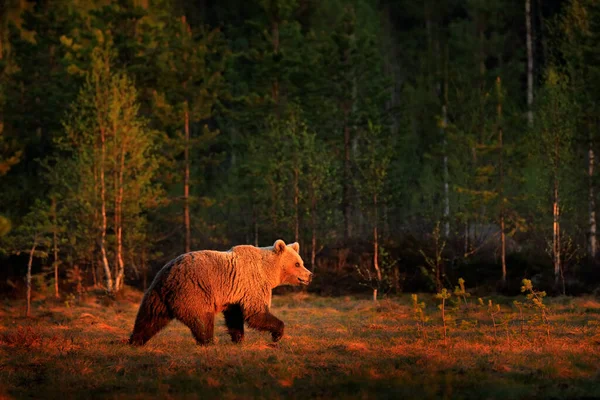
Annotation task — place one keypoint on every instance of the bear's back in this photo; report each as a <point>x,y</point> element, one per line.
<point>221,275</point>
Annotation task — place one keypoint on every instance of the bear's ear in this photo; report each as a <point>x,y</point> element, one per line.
<point>279,246</point>
<point>295,246</point>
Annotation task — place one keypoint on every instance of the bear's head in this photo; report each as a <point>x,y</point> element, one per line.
<point>290,264</point>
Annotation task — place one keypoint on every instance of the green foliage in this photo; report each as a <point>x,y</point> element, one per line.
<point>536,302</point>
<point>70,300</point>
<point>461,292</point>
<point>33,234</point>
<point>519,305</point>
<point>5,226</point>
<point>373,164</point>
<point>419,316</point>
<point>434,269</point>
<point>127,156</point>
<point>369,278</point>
<point>493,311</point>
<point>444,295</point>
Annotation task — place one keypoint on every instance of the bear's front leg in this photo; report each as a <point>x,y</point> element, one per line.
<point>265,321</point>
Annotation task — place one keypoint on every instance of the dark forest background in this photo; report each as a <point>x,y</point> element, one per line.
<point>403,144</point>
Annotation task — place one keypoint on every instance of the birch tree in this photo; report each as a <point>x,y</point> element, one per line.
<point>106,131</point>
<point>556,131</point>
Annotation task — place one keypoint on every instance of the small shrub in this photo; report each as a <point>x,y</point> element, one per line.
<point>444,295</point>
<point>419,316</point>
<point>70,301</point>
<point>435,269</point>
<point>519,306</point>
<point>493,311</point>
<point>536,302</point>
<point>461,292</point>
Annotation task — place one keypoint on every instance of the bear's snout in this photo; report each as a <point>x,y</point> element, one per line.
<point>307,279</point>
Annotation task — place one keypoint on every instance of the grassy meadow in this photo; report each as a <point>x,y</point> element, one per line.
<point>333,348</point>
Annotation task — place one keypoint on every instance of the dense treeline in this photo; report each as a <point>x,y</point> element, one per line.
<point>402,143</point>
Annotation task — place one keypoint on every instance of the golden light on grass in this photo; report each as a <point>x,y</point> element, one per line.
<point>357,346</point>
<point>333,347</point>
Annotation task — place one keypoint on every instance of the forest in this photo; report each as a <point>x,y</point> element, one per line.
<point>403,144</point>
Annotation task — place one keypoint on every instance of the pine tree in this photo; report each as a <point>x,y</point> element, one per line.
<point>39,89</point>
<point>33,238</point>
<point>373,166</point>
<point>191,64</point>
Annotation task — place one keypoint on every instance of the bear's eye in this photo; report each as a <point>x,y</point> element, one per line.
<point>297,265</point>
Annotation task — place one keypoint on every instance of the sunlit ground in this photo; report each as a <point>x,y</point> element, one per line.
<point>333,348</point>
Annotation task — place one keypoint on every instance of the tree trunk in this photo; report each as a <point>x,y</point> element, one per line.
<point>186,181</point>
<point>438,259</point>
<point>275,43</point>
<point>116,217</point>
<point>391,67</point>
<point>446,178</point>
<point>119,219</point>
<point>29,276</point>
<point>501,156</point>
<point>556,233</point>
<point>96,222</point>
<point>107,273</point>
<point>255,223</point>
<point>376,248</point>
<point>539,36</point>
<point>296,205</point>
<point>529,63</point>
<point>429,31</point>
<point>503,247</point>
<point>94,272</point>
<point>347,179</point>
<point>55,246</point>
<point>466,234</point>
<point>348,105</point>
<point>556,214</point>
<point>438,274</point>
<point>592,245</point>
<point>313,249</point>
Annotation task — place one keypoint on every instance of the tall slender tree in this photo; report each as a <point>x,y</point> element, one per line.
<point>556,131</point>
<point>529,42</point>
<point>33,238</point>
<point>191,65</point>
<point>373,166</point>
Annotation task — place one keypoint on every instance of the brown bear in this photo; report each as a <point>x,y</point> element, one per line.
<point>195,286</point>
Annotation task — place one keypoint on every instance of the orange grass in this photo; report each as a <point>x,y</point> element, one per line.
<point>333,348</point>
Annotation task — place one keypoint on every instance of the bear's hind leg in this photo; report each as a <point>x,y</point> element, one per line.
<point>151,318</point>
<point>202,325</point>
<point>265,321</point>
<point>234,320</point>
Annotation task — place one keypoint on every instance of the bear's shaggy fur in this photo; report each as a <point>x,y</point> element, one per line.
<point>195,286</point>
